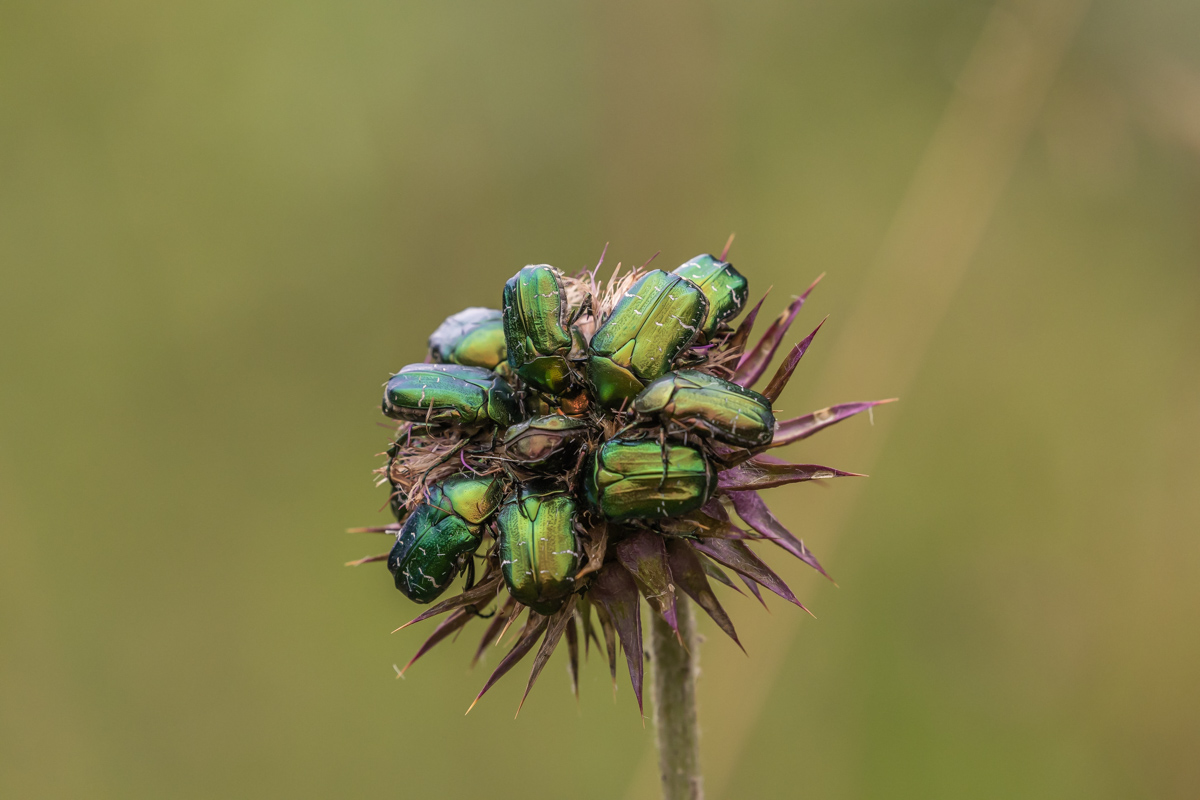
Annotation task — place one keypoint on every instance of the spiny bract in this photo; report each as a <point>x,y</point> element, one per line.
<point>583,448</point>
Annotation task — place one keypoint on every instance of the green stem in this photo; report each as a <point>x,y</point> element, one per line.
<point>673,672</point>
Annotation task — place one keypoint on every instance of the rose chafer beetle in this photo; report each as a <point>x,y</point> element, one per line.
<point>474,337</point>
<point>470,497</point>
<point>645,479</point>
<point>724,287</point>
<point>651,325</point>
<point>449,393</point>
<point>544,441</point>
<point>721,408</point>
<point>537,328</point>
<point>439,538</point>
<point>539,547</point>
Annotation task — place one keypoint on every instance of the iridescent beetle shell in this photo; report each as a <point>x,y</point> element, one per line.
<point>724,410</point>
<point>544,440</point>
<point>645,480</point>
<point>536,329</point>
<point>725,288</point>
<point>651,325</point>
<point>432,548</point>
<point>438,539</point>
<point>539,548</point>
<point>470,497</point>
<point>474,337</point>
<point>449,394</point>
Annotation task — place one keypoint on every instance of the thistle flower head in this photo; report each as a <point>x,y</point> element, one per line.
<point>592,445</point>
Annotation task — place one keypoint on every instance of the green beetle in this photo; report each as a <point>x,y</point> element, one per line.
<point>537,328</point>
<point>470,497</point>
<point>724,287</point>
<point>544,441</point>
<point>438,539</point>
<point>539,548</point>
<point>725,410</point>
<point>449,393</point>
<point>651,325</point>
<point>474,337</point>
<point>638,479</point>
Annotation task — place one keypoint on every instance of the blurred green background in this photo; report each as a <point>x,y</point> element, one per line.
<point>222,225</point>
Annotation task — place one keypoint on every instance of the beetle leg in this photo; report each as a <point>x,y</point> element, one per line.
<point>508,471</point>
<point>585,306</point>
<point>628,426</point>
<point>579,460</point>
<point>470,575</point>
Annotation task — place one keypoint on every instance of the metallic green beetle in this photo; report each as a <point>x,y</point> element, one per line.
<point>470,497</point>
<point>539,548</point>
<point>725,288</point>
<point>543,441</point>
<point>639,479</point>
<point>651,325</point>
<point>537,328</point>
<point>474,337</point>
<point>725,410</point>
<point>438,539</point>
<point>449,393</point>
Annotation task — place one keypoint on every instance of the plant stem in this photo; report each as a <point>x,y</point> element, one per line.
<point>673,671</point>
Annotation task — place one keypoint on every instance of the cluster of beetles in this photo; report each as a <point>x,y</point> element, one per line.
<point>540,398</point>
<point>586,446</point>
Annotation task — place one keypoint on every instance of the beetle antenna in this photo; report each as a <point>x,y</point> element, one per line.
<point>470,575</point>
